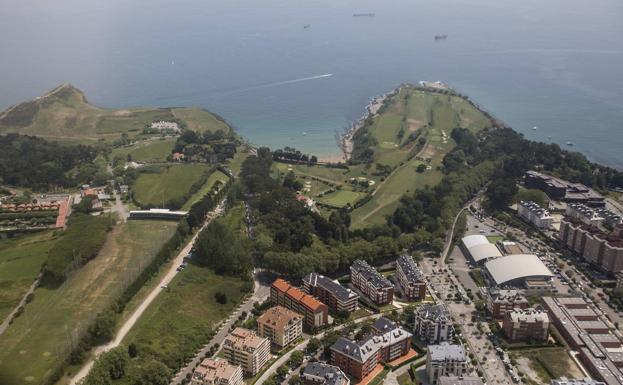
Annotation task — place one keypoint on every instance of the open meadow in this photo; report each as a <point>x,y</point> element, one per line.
<point>207,186</point>
<point>155,150</point>
<point>40,340</point>
<point>170,185</point>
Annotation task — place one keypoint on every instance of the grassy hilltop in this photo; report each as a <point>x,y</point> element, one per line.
<point>64,114</point>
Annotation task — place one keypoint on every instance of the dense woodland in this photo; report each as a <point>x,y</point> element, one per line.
<point>213,147</point>
<point>28,161</point>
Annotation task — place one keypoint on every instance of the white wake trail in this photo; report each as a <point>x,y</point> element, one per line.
<point>285,82</point>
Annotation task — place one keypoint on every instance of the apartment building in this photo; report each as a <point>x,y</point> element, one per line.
<point>216,372</point>
<point>535,214</point>
<point>315,313</point>
<point>445,360</point>
<point>567,381</point>
<point>409,279</point>
<point>596,247</point>
<point>318,373</point>
<point>245,348</point>
<point>432,323</point>
<point>359,358</point>
<point>280,325</point>
<point>583,213</point>
<point>526,325</point>
<point>372,284</point>
<point>460,380</point>
<point>501,302</point>
<point>335,296</point>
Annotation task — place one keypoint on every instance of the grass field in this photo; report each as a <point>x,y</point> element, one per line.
<point>547,364</point>
<point>169,184</point>
<point>20,262</point>
<point>494,238</point>
<point>410,111</point>
<point>147,151</point>
<point>342,198</point>
<point>40,339</point>
<point>215,176</point>
<point>64,114</point>
<point>179,320</point>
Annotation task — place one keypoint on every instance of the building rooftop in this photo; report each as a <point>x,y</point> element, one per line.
<point>528,315</point>
<point>409,268</point>
<point>370,274</point>
<point>568,381</point>
<point>340,292</point>
<point>242,339</point>
<point>535,208</point>
<point>508,296</point>
<point>443,380</point>
<point>297,295</point>
<point>279,317</point>
<point>362,350</point>
<point>433,312</point>
<point>514,267</point>
<point>215,370</point>
<point>446,352</point>
<point>331,374</point>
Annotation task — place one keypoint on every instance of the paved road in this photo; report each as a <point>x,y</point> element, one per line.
<point>260,293</point>
<point>129,323</point>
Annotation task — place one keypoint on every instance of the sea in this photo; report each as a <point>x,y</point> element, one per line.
<point>299,72</point>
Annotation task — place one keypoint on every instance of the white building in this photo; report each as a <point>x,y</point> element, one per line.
<point>432,323</point>
<point>535,214</point>
<point>445,360</point>
<point>583,213</point>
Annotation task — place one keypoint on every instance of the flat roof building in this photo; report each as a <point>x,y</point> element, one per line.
<point>562,190</point>
<point>598,248</point>
<point>217,371</point>
<point>526,325</point>
<point>373,285</point>
<point>158,214</point>
<point>460,380</point>
<point>280,325</point>
<point>568,381</point>
<point>502,301</point>
<point>335,296</point>
<point>432,323</point>
<point>535,214</point>
<point>445,360</point>
<point>245,348</point>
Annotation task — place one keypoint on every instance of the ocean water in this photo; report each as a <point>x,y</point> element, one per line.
<point>555,64</point>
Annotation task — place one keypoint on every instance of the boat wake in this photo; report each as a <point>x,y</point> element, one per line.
<point>285,82</point>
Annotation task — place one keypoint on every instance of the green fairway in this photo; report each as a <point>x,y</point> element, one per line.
<point>20,262</point>
<point>39,341</point>
<point>178,322</point>
<point>169,185</point>
<point>147,151</point>
<point>207,186</point>
<point>431,117</point>
<point>341,198</point>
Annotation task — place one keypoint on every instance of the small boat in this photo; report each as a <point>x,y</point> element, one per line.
<point>364,14</point>
<point>304,133</point>
<point>306,26</point>
<point>569,144</point>
<point>534,128</point>
<point>549,137</point>
<point>441,37</point>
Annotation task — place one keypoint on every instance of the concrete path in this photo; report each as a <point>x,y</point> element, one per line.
<point>129,323</point>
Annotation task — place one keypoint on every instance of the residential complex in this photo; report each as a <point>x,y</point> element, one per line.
<point>409,279</point>
<point>535,214</point>
<point>593,216</point>
<point>315,313</point>
<point>602,250</point>
<point>526,325</point>
<point>600,351</point>
<point>562,190</point>
<point>318,373</point>
<point>459,380</point>
<point>445,360</point>
<point>280,325</point>
<point>501,302</point>
<point>245,348</point>
<point>372,284</point>
<point>432,323</point>
<point>359,358</point>
<point>335,296</point>
<point>216,372</point>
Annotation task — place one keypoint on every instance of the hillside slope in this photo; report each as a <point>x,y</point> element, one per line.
<point>65,114</point>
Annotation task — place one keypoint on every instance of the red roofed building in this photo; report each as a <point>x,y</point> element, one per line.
<point>178,156</point>
<point>315,313</point>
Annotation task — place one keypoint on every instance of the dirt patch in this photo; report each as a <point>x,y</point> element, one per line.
<point>123,113</point>
<point>415,124</point>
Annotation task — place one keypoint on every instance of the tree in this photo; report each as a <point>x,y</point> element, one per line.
<point>421,168</point>
<point>296,359</point>
<point>294,380</point>
<point>220,297</point>
<point>282,371</point>
<point>132,351</point>
<point>313,345</point>
<point>501,192</point>
<point>152,372</point>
